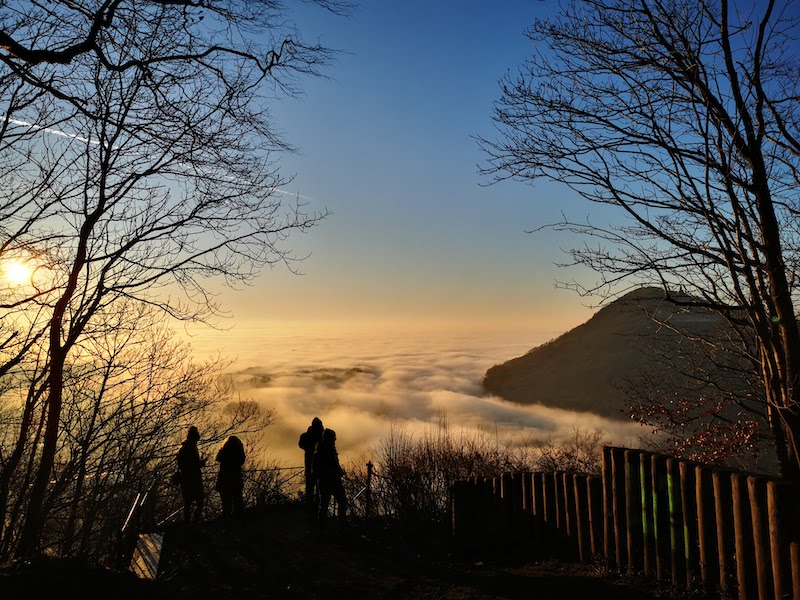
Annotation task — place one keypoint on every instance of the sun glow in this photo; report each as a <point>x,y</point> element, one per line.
<point>17,272</point>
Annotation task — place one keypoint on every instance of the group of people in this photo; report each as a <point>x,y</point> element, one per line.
<point>322,471</point>
<point>230,479</point>
<point>323,474</point>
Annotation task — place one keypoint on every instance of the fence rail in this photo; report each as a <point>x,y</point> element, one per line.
<point>698,527</point>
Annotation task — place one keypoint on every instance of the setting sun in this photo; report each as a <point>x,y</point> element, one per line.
<point>16,272</point>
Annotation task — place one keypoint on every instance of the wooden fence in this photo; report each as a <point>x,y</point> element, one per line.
<point>727,532</point>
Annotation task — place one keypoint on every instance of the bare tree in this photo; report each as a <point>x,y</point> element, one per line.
<point>148,170</point>
<point>130,394</point>
<point>38,40</point>
<point>684,115</point>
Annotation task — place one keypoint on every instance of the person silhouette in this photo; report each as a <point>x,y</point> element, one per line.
<point>190,465</point>
<point>329,473</point>
<point>230,481</point>
<point>308,442</point>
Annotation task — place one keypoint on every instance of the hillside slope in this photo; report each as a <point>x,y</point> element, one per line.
<point>589,368</point>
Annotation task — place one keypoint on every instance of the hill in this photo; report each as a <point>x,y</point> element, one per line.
<point>592,367</point>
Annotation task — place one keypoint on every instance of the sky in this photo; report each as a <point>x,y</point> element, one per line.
<point>423,275</point>
<point>416,236</point>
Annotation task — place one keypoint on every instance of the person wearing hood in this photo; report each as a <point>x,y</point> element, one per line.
<point>308,442</point>
<point>329,475</point>
<point>230,480</point>
<point>190,466</point>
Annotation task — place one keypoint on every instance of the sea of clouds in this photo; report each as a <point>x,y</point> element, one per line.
<point>365,384</point>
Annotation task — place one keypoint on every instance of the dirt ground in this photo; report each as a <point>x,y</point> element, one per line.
<point>279,553</point>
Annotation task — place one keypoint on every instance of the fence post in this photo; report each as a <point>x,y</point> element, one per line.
<point>596,512</point>
<point>646,501</point>
<point>618,501</point>
<point>708,555</point>
<point>526,489</point>
<point>633,510</point>
<point>497,486</point>
<point>510,532</point>
<point>507,488</point>
<point>689,518</point>
<point>757,495</point>
<point>537,507</point>
<point>500,512</point>
<point>368,499</point>
<point>658,469</point>
<point>608,508</point>
<point>676,552</point>
<point>460,510</point>
<point>581,490</point>
<point>743,535</point>
<point>723,508</point>
<point>570,515</point>
<point>780,564</point>
<point>550,510</point>
<point>488,529</point>
<point>561,514</point>
<point>518,517</point>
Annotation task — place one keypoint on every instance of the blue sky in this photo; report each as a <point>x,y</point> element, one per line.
<point>386,144</point>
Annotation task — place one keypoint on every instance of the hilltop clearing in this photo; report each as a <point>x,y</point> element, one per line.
<point>278,555</point>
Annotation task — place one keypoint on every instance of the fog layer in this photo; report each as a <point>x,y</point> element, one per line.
<point>364,384</point>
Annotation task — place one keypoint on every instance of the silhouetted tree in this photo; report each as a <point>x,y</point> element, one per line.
<point>37,42</point>
<point>129,396</point>
<point>704,397</point>
<point>138,163</point>
<point>684,116</point>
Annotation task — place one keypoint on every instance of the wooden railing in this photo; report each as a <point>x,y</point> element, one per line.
<point>727,532</point>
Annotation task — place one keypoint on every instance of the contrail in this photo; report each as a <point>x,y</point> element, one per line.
<point>51,130</point>
<point>287,193</point>
<point>80,138</point>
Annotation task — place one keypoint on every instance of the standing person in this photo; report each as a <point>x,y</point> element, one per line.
<point>329,474</point>
<point>230,481</point>
<point>190,465</point>
<point>308,442</point>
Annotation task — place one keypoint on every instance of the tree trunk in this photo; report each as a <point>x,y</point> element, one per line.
<point>69,529</point>
<point>10,467</point>
<point>787,346</point>
<point>34,519</point>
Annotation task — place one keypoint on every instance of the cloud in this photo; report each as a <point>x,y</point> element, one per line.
<point>363,387</point>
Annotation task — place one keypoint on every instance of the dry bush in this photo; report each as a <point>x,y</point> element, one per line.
<point>414,475</point>
<point>582,452</point>
<point>272,484</point>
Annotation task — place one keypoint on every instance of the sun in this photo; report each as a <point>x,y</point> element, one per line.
<point>17,272</point>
